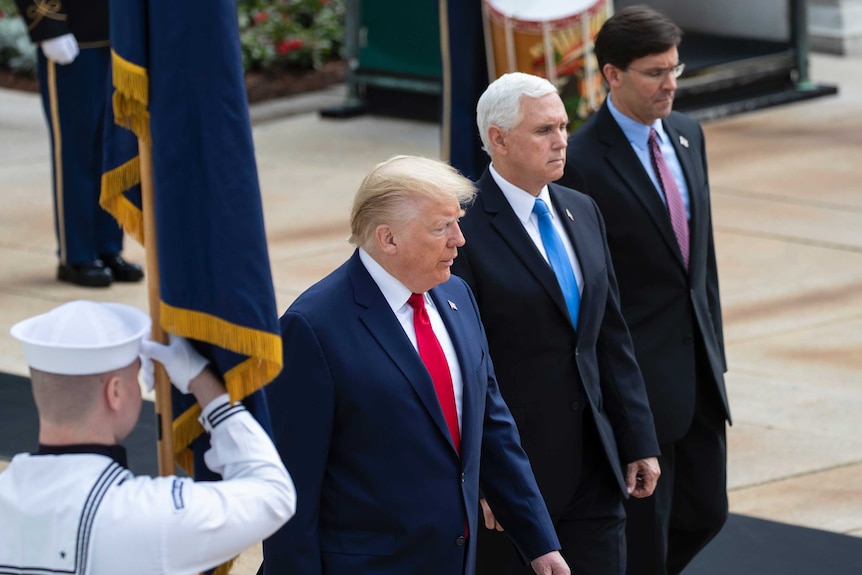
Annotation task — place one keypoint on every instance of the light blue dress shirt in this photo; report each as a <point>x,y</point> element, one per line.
<point>638,136</point>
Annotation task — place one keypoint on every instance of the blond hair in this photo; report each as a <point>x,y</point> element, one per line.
<point>386,194</point>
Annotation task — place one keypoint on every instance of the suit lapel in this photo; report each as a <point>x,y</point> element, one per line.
<point>507,224</point>
<point>453,319</point>
<point>374,312</point>
<point>628,167</point>
<point>582,243</point>
<point>690,170</point>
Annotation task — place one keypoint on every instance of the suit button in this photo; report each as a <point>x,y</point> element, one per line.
<point>575,406</point>
<point>460,541</point>
<point>576,352</point>
<point>462,477</point>
<point>688,340</point>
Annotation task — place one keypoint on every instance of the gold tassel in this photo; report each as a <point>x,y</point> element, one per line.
<point>263,347</point>
<point>130,79</point>
<point>132,115</point>
<point>224,568</point>
<point>131,97</point>
<point>187,428</point>
<point>114,184</point>
<point>186,460</point>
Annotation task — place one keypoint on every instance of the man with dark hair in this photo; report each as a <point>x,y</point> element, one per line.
<point>645,166</point>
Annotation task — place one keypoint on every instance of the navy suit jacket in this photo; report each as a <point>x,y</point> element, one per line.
<point>380,487</point>
<point>670,311</point>
<point>549,372</point>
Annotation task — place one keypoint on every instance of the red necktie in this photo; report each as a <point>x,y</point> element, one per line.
<point>435,362</point>
<point>675,207</point>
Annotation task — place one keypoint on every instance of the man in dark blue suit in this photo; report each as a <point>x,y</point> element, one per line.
<point>387,411</point>
<point>538,263</point>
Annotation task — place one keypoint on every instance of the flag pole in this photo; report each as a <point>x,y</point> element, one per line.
<point>164,410</point>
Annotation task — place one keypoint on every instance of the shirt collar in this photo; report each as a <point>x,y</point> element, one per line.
<point>115,452</point>
<point>636,133</point>
<point>395,292</point>
<point>522,202</point>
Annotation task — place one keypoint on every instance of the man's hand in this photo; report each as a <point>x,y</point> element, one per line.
<point>180,359</point>
<point>550,564</point>
<point>62,49</point>
<point>642,476</point>
<point>490,520</point>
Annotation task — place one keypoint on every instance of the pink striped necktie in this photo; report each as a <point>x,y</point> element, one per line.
<point>675,206</point>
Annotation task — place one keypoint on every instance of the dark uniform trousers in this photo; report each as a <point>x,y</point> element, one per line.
<point>75,97</point>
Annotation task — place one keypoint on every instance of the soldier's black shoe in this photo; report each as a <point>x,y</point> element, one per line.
<point>122,270</point>
<point>90,274</point>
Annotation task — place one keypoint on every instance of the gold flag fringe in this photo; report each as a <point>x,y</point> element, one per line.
<point>187,428</point>
<point>131,97</point>
<point>114,184</point>
<point>224,568</point>
<point>264,348</point>
<point>242,380</point>
<point>186,460</point>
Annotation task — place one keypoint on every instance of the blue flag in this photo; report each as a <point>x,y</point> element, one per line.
<point>179,85</point>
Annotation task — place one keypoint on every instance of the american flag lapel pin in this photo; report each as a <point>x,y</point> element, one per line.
<point>569,214</point>
<point>452,305</point>
<point>683,141</point>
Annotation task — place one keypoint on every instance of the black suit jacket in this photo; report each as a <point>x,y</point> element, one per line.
<point>547,370</point>
<point>670,312</point>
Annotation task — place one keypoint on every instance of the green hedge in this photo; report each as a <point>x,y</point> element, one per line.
<point>273,34</point>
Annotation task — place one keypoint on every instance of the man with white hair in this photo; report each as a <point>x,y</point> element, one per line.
<point>73,507</point>
<point>537,260</point>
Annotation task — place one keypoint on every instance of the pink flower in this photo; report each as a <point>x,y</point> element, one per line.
<point>260,17</point>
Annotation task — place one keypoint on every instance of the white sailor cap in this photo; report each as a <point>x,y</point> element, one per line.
<point>83,337</point>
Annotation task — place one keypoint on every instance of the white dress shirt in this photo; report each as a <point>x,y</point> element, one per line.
<point>397,294</point>
<point>522,203</point>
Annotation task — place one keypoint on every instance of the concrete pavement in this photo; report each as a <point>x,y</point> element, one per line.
<point>787,204</point>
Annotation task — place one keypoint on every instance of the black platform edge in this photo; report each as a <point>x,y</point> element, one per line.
<point>727,108</point>
<point>752,546</point>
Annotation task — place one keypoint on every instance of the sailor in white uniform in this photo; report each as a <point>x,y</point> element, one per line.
<point>72,507</point>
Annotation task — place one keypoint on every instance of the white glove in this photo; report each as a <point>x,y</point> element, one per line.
<point>62,49</point>
<point>180,359</point>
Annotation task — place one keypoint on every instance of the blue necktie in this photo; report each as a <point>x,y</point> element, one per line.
<point>559,259</point>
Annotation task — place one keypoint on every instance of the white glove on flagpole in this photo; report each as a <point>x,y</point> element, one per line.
<point>62,49</point>
<point>180,359</point>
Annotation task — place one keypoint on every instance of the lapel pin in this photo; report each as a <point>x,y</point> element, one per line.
<point>452,304</point>
<point>568,213</point>
<point>683,141</point>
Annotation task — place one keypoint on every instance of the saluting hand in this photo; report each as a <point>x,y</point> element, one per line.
<point>182,362</point>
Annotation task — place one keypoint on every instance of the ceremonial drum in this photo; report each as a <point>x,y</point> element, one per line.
<point>552,39</point>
